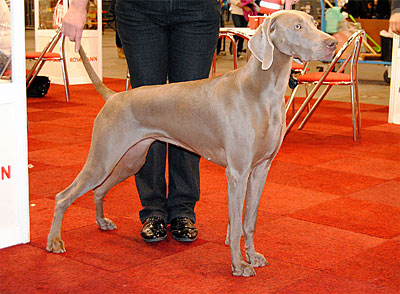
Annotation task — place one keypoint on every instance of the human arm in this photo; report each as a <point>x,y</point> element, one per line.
<point>74,21</point>
<point>394,21</point>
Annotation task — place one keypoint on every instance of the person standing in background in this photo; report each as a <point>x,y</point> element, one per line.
<point>239,21</point>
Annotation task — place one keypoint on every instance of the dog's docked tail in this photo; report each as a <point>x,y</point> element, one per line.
<point>98,84</point>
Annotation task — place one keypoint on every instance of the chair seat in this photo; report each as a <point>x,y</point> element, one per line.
<point>297,66</point>
<point>49,55</point>
<point>332,77</point>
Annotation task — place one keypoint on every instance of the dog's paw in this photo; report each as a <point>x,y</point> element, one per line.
<point>256,260</point>
<point>243,269</point>
<point>55,245</point>
<point>106,224</point>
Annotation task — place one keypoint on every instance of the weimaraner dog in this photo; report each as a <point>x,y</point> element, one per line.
<point>236,120</point>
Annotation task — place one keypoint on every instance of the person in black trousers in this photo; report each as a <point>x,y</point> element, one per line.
<point>172,40</point>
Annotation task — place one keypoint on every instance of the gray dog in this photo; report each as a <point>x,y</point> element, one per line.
<point>236,121</point>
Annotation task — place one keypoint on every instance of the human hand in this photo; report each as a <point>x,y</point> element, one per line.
<point>394,23</point>
<point>74,21</point>
<point>289,3</point>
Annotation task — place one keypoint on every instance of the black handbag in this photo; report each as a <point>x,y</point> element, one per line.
<point>39,87</point>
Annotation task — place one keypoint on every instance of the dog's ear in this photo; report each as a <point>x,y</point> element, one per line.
<point>261,45</point>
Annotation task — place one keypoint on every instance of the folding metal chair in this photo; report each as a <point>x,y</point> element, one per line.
<point>48,55</point>
<point>330,78</point>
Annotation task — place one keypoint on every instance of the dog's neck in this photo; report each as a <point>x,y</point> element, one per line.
<point>281,64</point>
<point>277,76</point>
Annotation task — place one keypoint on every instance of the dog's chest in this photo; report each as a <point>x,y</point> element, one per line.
<point>271,133</point>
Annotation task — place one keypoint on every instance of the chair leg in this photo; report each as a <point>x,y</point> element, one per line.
<point>301,109</point>
<point>5,67</point>
<point>64,68</point>
<point>314,107</point>
<point>358,109</point>
<point>309,103</point>
<point>293,108</point>
<point>34,72</point>
<point>291,99</point>
<point>354,113</point>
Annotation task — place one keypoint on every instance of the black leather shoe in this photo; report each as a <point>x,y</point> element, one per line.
<point>183,229</point>
<point>153,229</point>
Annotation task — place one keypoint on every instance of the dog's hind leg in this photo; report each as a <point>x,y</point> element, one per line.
<point>129,164</point>
<point>93,174</point>
<point>255,187</point>
<point>64,199</point>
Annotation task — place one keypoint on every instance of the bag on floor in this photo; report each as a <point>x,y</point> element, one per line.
<point>39,87</point>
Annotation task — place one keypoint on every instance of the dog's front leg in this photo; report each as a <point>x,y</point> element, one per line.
<point>237,183</point>
<point>255,187</point>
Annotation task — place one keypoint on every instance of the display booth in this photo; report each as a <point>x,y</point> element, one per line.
<point>394,102</point>
<point>48,15</point>
<point>14,194</point>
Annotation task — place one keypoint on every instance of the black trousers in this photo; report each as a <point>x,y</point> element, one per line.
<point>174,39</point>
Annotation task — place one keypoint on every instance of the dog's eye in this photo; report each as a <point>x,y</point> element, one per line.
<point>298,26</point>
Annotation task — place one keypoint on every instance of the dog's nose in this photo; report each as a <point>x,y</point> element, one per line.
<point>331,43</point>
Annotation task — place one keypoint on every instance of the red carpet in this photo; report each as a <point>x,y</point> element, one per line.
<point>329,219</point>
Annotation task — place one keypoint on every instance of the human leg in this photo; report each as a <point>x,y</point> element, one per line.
<point>239,21</point>
<point>192,41</point>
<point>145,44</point>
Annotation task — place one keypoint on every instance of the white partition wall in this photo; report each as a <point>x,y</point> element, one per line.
<point>91,41</point>
<point>394,103</point>
<point>14,195</point>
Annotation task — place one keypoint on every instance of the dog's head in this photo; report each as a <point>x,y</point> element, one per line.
<point>293,33</point>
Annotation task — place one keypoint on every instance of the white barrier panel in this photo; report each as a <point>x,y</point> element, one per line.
<point>14,197</point>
